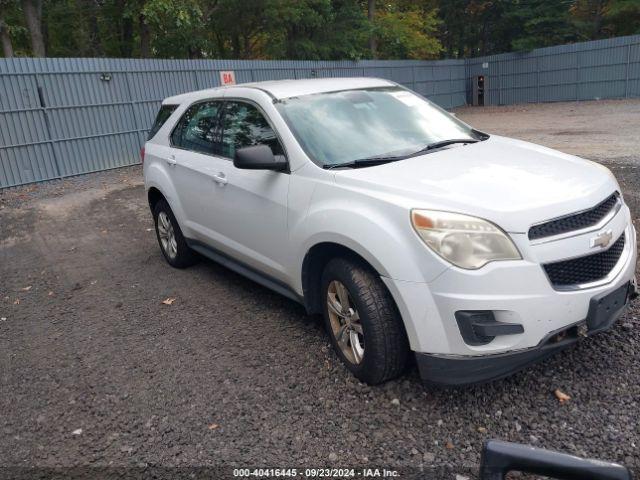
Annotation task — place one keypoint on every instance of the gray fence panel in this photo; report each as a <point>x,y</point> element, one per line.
<point>23,127</point>
<point>62,117</point>
<point>18,92</point>
<point>66,116</point>
<point>93,154</point>
<point>581,71</point>
<point>27,164</point>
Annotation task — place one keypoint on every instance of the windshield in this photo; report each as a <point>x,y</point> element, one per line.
<point>339,127</point>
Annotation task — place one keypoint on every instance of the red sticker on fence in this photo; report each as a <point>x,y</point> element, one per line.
<point>227,77</point>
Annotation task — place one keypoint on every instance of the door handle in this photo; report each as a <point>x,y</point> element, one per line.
<point>220,179</point>
<point>171,160</point>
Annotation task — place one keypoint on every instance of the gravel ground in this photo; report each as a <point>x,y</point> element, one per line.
<point>97,372</point>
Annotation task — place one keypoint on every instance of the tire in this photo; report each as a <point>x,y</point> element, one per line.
<point>173,246</point>
<point>381,351</point>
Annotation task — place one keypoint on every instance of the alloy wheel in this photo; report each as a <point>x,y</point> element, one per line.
<point>167,235</point>
<point>345,322</point>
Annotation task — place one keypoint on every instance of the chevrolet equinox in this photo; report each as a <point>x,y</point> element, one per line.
<point>408,230</point>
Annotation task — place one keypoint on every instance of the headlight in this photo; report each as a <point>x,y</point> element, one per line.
<point>467,242</point>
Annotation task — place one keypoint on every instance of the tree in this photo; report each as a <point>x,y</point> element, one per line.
<point>622,17</point>
<point>407,33</point>
<point>528,24</point>
<point>33,16</point>
<point>176,27</point>
<point>317,29</point>
<point>305,29</point>
<point>5,39</point>
<point>371,15</point>
<point>455,27</point>
<point>90,14</point>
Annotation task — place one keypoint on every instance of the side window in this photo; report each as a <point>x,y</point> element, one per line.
<point>242,126</point>
<point>197,130</point>
<point>163,115</point>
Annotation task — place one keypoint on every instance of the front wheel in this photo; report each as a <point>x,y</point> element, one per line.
<point>363,322</point>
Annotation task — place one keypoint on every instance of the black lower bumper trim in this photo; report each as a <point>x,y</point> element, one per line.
<point>450,370</point>
<point>464,370</point>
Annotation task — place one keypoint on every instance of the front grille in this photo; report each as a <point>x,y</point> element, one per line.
<point>578,221</point>
<point>587,269</point>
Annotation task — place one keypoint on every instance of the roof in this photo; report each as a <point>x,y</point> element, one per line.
<point>289,88</point>
<point>295,88</point>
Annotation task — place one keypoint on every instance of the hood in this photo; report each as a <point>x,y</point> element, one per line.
<point>509,182</point>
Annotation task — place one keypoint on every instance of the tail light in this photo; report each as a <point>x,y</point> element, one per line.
<point>142,154</point>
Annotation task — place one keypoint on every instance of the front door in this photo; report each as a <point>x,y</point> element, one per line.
<point>250,213</point>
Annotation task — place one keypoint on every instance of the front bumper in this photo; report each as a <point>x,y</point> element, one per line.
<point>449,370</point>
<point>516,292</point>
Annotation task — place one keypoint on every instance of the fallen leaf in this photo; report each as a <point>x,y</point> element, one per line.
<point>561,396</point>
<point>26,289</point>
<point>169,301</point>
<point>104,231</point>
<point>213,426</point>
<point>449,446</point>
<point>482,430</point>
<point>51,294</point>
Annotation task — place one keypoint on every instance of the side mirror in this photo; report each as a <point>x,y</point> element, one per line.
<point>499,458</point>
<point>259,157</point>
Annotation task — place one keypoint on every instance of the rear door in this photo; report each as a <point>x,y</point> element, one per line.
<point>195,166</point>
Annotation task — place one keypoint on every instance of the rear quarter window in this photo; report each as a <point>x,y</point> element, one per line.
<point>163,115</point>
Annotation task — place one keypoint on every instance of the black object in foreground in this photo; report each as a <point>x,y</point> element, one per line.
<point>499,458</point>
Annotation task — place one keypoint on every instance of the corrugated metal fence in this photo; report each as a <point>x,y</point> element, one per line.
<point>581,71</point>
<point>63,117</point>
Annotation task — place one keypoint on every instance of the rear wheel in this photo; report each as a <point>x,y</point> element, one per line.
<point>363,322</point>
<point>172,243</point>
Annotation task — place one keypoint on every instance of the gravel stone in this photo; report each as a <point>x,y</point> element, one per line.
<point>229,352</point>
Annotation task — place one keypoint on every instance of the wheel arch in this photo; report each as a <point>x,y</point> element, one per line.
<point>154,195</point>
<point>313,265</point>
<point>159,185</point>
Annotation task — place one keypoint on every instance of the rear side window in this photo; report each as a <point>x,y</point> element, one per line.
<point>197,130</point>
<point>163,115</point>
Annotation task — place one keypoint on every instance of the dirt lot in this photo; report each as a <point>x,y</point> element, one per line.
<point>96,371</point>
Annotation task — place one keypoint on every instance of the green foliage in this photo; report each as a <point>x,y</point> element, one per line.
<point>543,23</point>
<point>622,17</point>
<point>407,34</point>
<point>315,29</point>
<point>177,26</point>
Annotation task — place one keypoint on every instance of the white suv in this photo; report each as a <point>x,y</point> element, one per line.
<point>406,228</point>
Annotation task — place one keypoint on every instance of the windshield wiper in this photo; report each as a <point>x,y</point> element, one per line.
<point>368,162</point>
<point>444,143</point>
<point>363,162</point>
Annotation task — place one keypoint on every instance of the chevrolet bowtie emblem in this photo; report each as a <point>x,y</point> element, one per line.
<point>602,239</point>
